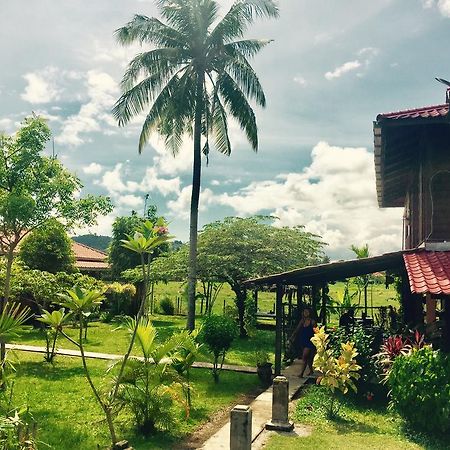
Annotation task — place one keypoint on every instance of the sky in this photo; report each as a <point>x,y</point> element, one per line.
<point>333,66</point>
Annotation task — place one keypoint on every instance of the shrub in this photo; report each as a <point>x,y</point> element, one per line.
<point>166,306</point>
<point>337,373</point>
<point>366,344</point>
<point>218,332</point>
<point>120,299</point>
<point>419,389</point>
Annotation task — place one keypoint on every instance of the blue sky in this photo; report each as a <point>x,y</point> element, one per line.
<point>334,65</point>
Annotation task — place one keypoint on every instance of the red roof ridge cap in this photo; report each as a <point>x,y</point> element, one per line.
<point>412,110</point>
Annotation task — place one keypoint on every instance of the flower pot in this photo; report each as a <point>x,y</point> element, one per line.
<point>265,373</point>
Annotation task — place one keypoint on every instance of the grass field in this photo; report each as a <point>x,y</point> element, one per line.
<point>359,426</point>
<point>69,418</point>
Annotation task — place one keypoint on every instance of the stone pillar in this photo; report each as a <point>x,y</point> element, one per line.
<point>241,428</point>
<point>280,406</point>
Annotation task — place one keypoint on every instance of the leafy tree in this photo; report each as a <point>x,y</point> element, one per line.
<point>198,74</point>
<point>122,258</point>
<point>34,188</point>
<point>236,249</point>
<point>48,248</point>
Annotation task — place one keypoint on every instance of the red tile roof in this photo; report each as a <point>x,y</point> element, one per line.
<point>423,113</point>
<point>428,271</point>
<point>88,258</point>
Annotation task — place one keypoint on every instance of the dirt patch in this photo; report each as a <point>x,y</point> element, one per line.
<point>196,439</point>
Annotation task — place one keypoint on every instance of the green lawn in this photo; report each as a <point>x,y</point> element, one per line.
<point>360,425</point>
<point>108,338</point>
<point>69,418</point>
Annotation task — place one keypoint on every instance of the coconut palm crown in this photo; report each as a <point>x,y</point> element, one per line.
<point>195,76</point>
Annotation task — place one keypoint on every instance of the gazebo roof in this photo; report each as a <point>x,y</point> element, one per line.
<point>333,271</point>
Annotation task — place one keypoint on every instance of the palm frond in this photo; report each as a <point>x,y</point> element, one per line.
<point>248,47</point>
<point>161,62</point>
<point>241,14</point>
<point>150,30</point>
<point>12,319</point>
<point>246,78</point>
<point>220,128</point>
<point>239,107</point>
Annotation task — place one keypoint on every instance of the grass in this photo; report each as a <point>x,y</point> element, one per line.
<point>69,418</point>
<point>108,338</point>
<point>360,424</point>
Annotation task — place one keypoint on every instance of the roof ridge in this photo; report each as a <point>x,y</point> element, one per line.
<point>412,110</point>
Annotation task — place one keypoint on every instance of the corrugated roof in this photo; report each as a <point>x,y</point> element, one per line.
<point>428,271</point>
<point>417,113</point>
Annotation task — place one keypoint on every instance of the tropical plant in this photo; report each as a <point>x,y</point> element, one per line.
<point>336,373</point>
<point>54,322</point>
<point>17,430</point>
<point>184,358</point>
<point>198,74</point>
<point>146,385</point>
<point>418,383</point>
<point>218,333</point>
<point>362,282</point>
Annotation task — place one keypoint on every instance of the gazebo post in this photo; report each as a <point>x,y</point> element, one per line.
<point>299,299</point>
<point>278,329</point>
<point>324,305</point>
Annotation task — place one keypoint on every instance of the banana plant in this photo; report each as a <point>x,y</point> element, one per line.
<point>54,321</point>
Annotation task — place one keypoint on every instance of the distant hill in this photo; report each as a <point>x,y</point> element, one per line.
<point>94,241</point>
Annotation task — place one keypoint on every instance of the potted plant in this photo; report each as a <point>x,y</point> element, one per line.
<point>264,367</point>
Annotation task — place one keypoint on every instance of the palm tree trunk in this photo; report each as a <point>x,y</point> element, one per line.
<point>193,227</point>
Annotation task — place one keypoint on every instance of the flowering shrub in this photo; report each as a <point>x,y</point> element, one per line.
<point>337,373</point>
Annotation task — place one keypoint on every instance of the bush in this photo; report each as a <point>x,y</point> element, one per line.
<point>420,390</point>
<point>119,300</point>
<point>367,344</point>
<point>218,332</point>
<point>166,306</point>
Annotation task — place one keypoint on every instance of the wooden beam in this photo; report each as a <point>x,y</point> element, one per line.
<point>278,329</point>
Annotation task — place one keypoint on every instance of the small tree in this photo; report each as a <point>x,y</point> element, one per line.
<point>34,188</point>
<point>337,374</point>
<point>218,332</point>
<point>48,248</point>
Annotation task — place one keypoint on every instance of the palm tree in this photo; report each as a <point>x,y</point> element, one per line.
<point>363,280</point>
<point>197,75</point>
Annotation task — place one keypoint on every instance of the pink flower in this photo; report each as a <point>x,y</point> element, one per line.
<point>161,231</point>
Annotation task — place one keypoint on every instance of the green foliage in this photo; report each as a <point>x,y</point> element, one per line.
<point>120,299</point>
<point>54,322</point>
<point>48,248</point>
<point>146,386</point>
<point>419,389</point>
<point>17,430</point>
<point>166,306</point>
<point>218,333</point>
<point>337,373</point>
<point>12,320</point>
<point>120,257</point>
<point>366,344</point>
<point>79,300</point>
<point>28,200</point>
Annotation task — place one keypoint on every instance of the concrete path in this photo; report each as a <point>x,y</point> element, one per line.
<point>261,410</point>
<point>111,357</point>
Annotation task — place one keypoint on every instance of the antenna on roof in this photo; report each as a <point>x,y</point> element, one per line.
<point>445,83</point>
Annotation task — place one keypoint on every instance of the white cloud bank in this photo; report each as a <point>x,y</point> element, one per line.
<point>365,56</point>
<point>93,169</point>
<point>343,69</point>
<point>443,6</point>
<point>334,197</point>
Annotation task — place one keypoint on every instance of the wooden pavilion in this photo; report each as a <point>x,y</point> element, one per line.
<point>412,166</point>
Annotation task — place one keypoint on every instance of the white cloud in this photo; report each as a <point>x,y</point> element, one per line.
<point>334,196</point>
<point>6,124</point>
<point>133,201</point>
<point>94,115</point>
<point>365,56</point>
<point>165,186</point>
<point>181,206</point>
<point>343,69</point>
<point>300,80</point>
<point>93,169</point>
<point>41,86</point>
<point>443,6</point>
